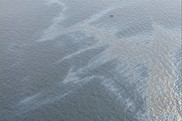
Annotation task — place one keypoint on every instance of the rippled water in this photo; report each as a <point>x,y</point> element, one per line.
<point>90,60</point>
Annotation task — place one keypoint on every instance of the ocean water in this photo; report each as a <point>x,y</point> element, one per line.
<point>90,60</point>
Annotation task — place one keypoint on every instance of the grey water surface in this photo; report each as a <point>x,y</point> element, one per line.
<point>90,60</point>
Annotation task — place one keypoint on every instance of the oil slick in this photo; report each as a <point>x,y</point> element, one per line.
<point>118,60</point>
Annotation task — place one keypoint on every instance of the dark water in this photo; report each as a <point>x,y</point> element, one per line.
<point>82,60</point>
